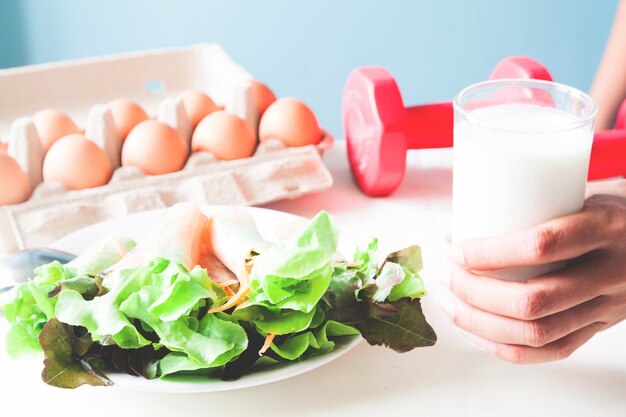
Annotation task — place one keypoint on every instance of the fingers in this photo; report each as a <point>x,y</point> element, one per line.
<point>557,350</point>
<point>534,333</point>
<point>536,298</point>
<point>560,239</point>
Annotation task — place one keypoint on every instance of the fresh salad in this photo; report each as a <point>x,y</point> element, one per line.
<point>210,296</point>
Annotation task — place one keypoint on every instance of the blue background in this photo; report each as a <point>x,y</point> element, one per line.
<point>307,49</point>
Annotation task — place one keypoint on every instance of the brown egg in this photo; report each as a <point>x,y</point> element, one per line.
<point>14,184</point>
<point>52,125</point>
<point>126,115</point>
<point>225,135</point>
<point>197,105</point>
<point>263,95</point>
<point>77,163</point>
<point>156,148</point>
<point>291,121</point>
<point>3,146</point>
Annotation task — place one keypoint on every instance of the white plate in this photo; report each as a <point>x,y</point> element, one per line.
<point>137,226</point>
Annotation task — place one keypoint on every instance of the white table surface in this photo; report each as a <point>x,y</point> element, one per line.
<point>451,378</point>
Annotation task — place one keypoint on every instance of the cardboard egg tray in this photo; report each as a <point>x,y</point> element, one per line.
<point>152,79</point>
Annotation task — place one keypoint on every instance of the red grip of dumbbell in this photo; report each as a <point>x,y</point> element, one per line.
<point>608,155</point>
<point>429,126</point>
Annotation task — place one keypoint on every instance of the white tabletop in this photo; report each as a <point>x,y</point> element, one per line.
<point>451,378</point>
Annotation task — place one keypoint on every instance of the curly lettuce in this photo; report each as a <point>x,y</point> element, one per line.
<point>30,306</point>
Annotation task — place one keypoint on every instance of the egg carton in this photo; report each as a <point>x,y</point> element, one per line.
<point>153,80</point>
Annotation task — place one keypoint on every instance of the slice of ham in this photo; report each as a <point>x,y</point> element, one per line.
<point>234,235</point>
<point>216,270</point>
<point>234,240</point>
<point>182,236</point>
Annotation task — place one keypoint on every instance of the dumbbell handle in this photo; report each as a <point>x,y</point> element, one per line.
<point>429,126</point>
<point>608,155</point>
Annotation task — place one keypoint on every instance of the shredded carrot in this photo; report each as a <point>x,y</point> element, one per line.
<point>268,342</point>
<point>234,300</point>
<point>237,298</point>
<point>244,286</point>
<point>229,291</point>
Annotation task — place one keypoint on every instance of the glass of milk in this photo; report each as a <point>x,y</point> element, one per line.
<point>521,156</point>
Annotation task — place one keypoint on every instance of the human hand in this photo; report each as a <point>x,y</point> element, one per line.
<point>546,318</point>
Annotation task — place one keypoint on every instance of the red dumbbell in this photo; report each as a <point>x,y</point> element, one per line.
<point>379,129</point>
<point>608,152</point>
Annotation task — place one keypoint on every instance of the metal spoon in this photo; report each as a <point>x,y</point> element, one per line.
<point>17,267</point>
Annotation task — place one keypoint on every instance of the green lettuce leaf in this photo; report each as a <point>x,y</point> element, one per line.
<point>101,316</point>
<point>88,286</point>
<point>410,259</point>
<point>312,342</point>
<point>391,275</point>
<point>295,274</point>
<point>289,279</point>
<point>365,260</point>
<point>385,307</point>
<point>159,304</point>
<point>167,290</point>
<point>22,339</point>
<point>30,304</point>
<point>214,327</point>
<point>294,347</point>
<point>29,308</point>
<point>271,319</point>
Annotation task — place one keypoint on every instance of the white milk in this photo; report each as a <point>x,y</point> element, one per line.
<point>516,166</point>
